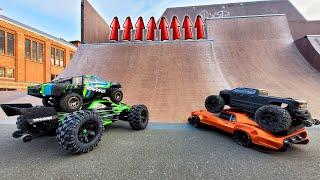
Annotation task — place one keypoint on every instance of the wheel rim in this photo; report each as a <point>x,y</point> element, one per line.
<point>87,132</point>
<point>118,96</point>
<point>74,102</point>
<point>242,139</point>
<point>269,118</point>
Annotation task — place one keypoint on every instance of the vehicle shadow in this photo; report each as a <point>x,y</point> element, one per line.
<point>228,138</point>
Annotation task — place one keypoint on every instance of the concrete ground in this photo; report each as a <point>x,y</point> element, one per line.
<point>7,96</point>
<point>163,151</point>
<point>14,97</point>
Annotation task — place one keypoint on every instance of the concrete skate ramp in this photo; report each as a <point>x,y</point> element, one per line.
<point>174,78</point>
<point>94,29</point>
<point>309,47</point>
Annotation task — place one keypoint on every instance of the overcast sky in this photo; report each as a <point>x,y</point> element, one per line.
<point>61,18</point>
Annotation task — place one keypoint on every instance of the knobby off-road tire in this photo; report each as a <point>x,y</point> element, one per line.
<point>80,132</point>
<point>138,117</point>
<point>214,104</point>
<point>47,102</point>
<point>195,121</point>
<point>116,95</point>
<point>71,102</point>
<point>242,138</point>
<point>22,124</point>
<point>273,118</point>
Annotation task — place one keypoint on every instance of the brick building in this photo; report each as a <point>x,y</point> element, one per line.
<point>29,56</point>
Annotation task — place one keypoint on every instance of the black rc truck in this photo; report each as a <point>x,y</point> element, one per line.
<point>274,114</point>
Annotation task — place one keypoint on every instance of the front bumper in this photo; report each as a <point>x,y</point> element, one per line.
<point>301,138</point>
<point>34,91</point>
<point>115,85</point>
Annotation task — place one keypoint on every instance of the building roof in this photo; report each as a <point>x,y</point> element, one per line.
<point>236,9</point>
<point>24,26</point>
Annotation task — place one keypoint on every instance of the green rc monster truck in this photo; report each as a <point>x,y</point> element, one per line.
<point>274,114</point>
<point>69,94</point>
<point>79,131</point>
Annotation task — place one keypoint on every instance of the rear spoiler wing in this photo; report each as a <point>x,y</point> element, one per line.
<point>28,111</point>
<point>14,109</point>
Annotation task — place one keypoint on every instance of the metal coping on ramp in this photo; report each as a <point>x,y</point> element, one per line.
<point>250,16</point>
<point>150,42</point>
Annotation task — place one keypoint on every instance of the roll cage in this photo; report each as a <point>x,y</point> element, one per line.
<point>80,80</point>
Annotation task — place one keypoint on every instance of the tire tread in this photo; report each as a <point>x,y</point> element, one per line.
<point>134,117</point>
<point>65,132</point>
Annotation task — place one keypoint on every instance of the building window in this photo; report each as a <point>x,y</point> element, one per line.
<point>61,58</point>
<point>1,72</point>
<point>53,53</point>
<point>40,53</point>
<point>7,89</point>
<point>71,56</point>
<point>10,73</point>
<point>57,57</point>
<point>28,49</point>
<point>2,42</point>
<point>53,76</point>
<point>34,50</point>
<point>10,44</point>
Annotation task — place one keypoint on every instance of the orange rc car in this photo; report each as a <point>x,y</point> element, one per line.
<point>246,131</point>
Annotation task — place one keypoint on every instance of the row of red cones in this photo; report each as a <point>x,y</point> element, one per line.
<point>152,26</point>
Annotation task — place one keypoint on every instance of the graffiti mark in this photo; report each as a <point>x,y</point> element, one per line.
<point>222,14</point>
<point>206,15</point>
<point>215,14</point>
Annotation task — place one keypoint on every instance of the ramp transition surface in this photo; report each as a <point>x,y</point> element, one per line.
<point>309,47</point>
<point>172,79</point>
